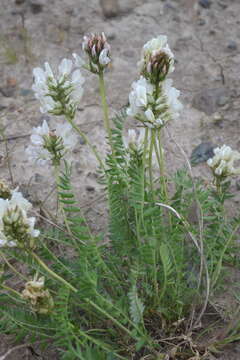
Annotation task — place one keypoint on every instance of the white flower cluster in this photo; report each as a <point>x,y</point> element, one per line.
<point>154,103</point>
<point>13,212</point>
<point>38,151</point>
<point>152,112</point>
<point>222,163</point>
<point>58,94</point>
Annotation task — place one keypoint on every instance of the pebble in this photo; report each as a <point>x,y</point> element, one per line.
<point>217,119</point>
<point>232,45</point>
<point>110,8</point>
<point>19,2</point>
<point>90,188</point>
<point>205,3</point>
<point>202,153</point>
<point>26,92</point>
<point>223,5</point>
<point>208,100</point>
<point>222,100</point>
<point>7,91</point>
<point>36,6</point>
<point>38,177</point>
<point>201,22</point>
<point>2,107</point>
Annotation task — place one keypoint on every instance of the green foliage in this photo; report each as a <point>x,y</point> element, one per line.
<point>147,283</point>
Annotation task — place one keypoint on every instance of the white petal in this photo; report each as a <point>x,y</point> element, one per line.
<point>65,67</point>
<point>79,62</point>
<point>104,59</point>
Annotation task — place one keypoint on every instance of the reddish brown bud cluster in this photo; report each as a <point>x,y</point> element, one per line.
<point>157,66</point>
<point>98,50</point>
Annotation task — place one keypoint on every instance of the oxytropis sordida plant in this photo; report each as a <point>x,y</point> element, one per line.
<point>142,294</point>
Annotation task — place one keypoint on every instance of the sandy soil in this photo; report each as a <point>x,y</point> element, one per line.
<point>206,44</point>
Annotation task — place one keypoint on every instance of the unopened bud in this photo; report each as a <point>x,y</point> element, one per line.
<point>98,51</point>
<point>156,66</point>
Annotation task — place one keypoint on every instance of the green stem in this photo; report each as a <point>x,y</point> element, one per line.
<point>116,322</point>
<point>144,160</point>
<point>98,343</point>
<point>5,287</point>
<point>105,109</point>
<point>93,148</point>
<point>12,267</point>
<point>52,273</point>
<point>162,167</point>
<point>150,163</point>
<point>163,176</point>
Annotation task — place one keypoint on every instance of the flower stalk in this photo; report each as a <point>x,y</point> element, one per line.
<point>105,109</point>
<point>52,273</point>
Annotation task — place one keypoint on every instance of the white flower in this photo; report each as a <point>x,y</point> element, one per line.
<point>79,62</point>
<point>12,209</point>
<point>61,93</point>
<point>104,59</point>
<point>38,150</point>
<point>149,115</point>
<point>154,46</point>
<point>65,131</point>
<point>138,97</point>
<point>222,162</point>
<point>171,95</point>
<point>65,67</point>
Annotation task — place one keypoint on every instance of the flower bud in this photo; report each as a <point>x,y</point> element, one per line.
<point>98,51</point>
<point>156,67</point>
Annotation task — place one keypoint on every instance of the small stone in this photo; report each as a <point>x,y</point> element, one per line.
<point>25,92</point>
<point>232,45</point>
<point>208,100</point>
<point>36,6</point>
<point>110,8</point>
<point>7,91</point>
<point>2,107</point>
<point>223,5</point>
<point>217,119</point>
<point>222,100</point>
<point>38,178</point>
<point>90,188</point>
<point>205,3</point>
<point>201,22</point>
<point>202,153</point>
<point>19,2</point>
<point>11,81</point>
